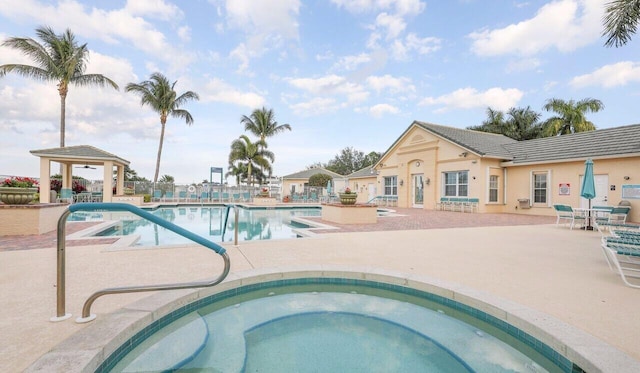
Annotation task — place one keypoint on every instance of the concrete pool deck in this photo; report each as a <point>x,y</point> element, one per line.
<point>551,269</point>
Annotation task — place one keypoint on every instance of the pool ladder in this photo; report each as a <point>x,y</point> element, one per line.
<point>86,309</point>
<point>235,224</point>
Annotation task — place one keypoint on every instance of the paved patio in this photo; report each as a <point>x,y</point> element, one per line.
<point>523,259</point>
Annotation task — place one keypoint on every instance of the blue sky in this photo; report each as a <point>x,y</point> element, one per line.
<point>341,73</point>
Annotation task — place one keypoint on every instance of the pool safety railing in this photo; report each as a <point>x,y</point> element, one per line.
<point>86,309</point>
<point>235,224</point>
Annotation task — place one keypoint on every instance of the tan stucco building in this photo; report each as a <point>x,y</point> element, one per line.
<point>428,162</point>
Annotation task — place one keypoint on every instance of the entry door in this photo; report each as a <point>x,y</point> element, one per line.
<point>602,191</point>
<point>418,190</point>
<point>372,191</point>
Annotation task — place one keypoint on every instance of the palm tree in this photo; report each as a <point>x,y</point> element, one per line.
<point>523,124</point>
<point>495,122</point>
<point>60,59</point>
<point>252,154</point>
<point>160,95</point>
<point>571,118</point>
<point>262,124</point>
<point>620,21</point>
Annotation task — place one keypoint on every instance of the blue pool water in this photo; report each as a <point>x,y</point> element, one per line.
<point>253,224</point>
<point>335,329</point>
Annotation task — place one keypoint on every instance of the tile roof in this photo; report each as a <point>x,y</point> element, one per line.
<point>482,143</point>
<point>312,171</point>
<point>80,152</point>
<point>365,172</point>
<point>608,142</point>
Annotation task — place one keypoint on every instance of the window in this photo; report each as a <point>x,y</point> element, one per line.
<point>456,184</point>
<point>540,187</point>
<point>493,188</point>
<point>391,186</point>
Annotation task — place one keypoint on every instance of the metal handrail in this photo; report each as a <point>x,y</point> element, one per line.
<point>86,309</point>
<point>226,220</point>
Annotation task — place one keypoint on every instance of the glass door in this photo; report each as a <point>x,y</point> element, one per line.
<point>417,190</point>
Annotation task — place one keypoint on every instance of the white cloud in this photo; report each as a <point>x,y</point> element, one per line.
<point>401,49</point>
<point>331,85</point>
<point>387,82</point>
<point>401,7</point>
<point>352,62</point>
<point>266,24</point>
<point>111,26</point>
<point>184,33</point>
<point>565,25</point>
<point>469,98</point>
<point>154,9</point>
<point>315,106</point>
<point>216,90</point>
<point>393,24</point>
<point>523,64</point>
<point>381,109</point>
<point>326,94</point>
<point>618,74</point>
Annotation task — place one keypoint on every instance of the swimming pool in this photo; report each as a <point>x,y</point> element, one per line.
<point>103,344</point>
<point>361,327</point>
<point>207,221</point>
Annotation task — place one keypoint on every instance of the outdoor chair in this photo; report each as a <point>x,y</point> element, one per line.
<point>566,213</point>
<point>157,194</point>
<point>204,197</point>
<point>182,196</point>
<point>215,196</point>
<point>618,214</point>
<point>168,196</point>
<point>471,205</point>
<point>442,204</point>
<point>623,257</point>
<point>66,195</point>
<point>246,197</point>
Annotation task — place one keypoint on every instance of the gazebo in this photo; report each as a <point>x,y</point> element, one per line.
<point>85,155</point>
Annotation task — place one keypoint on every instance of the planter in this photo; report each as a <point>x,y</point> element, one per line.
<point>348,198</point>
<point>17,196</point>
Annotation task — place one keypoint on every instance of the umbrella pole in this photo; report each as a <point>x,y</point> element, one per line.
<point>589,227</point>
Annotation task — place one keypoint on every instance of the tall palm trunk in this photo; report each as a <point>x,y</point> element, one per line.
<point>163,122</point>
<point>63,90</point>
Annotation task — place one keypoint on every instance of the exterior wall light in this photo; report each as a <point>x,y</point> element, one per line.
<point>401,182</point>
<point>627,178</point>
<point>427,181</point>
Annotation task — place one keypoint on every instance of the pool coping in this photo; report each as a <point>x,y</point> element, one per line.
<point>88,348</point>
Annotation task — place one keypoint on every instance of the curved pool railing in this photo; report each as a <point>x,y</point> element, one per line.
<point>86,309</point>
<point>226,221</point>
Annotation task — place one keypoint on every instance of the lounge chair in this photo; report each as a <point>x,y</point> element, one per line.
<point>246,197</point>
<point>66,195</point>
<point>182,196</point>
<point>168,196</point>
<point>443,204</point>
<point>619,214</point>
<point>215,196</point>
<point>235,197</point>
<point>566,213</point>
<point>623,257</point>
<point>157,195</point>
<point>204,197</point>
<point>471,205</point>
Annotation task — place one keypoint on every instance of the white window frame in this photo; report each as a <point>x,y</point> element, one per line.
<point>457,184</point>
<point>547,173</point>
<point>494,181</point>
<point>392,185</point>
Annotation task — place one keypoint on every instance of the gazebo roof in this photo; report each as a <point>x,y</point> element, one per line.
<point>80,154</point>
